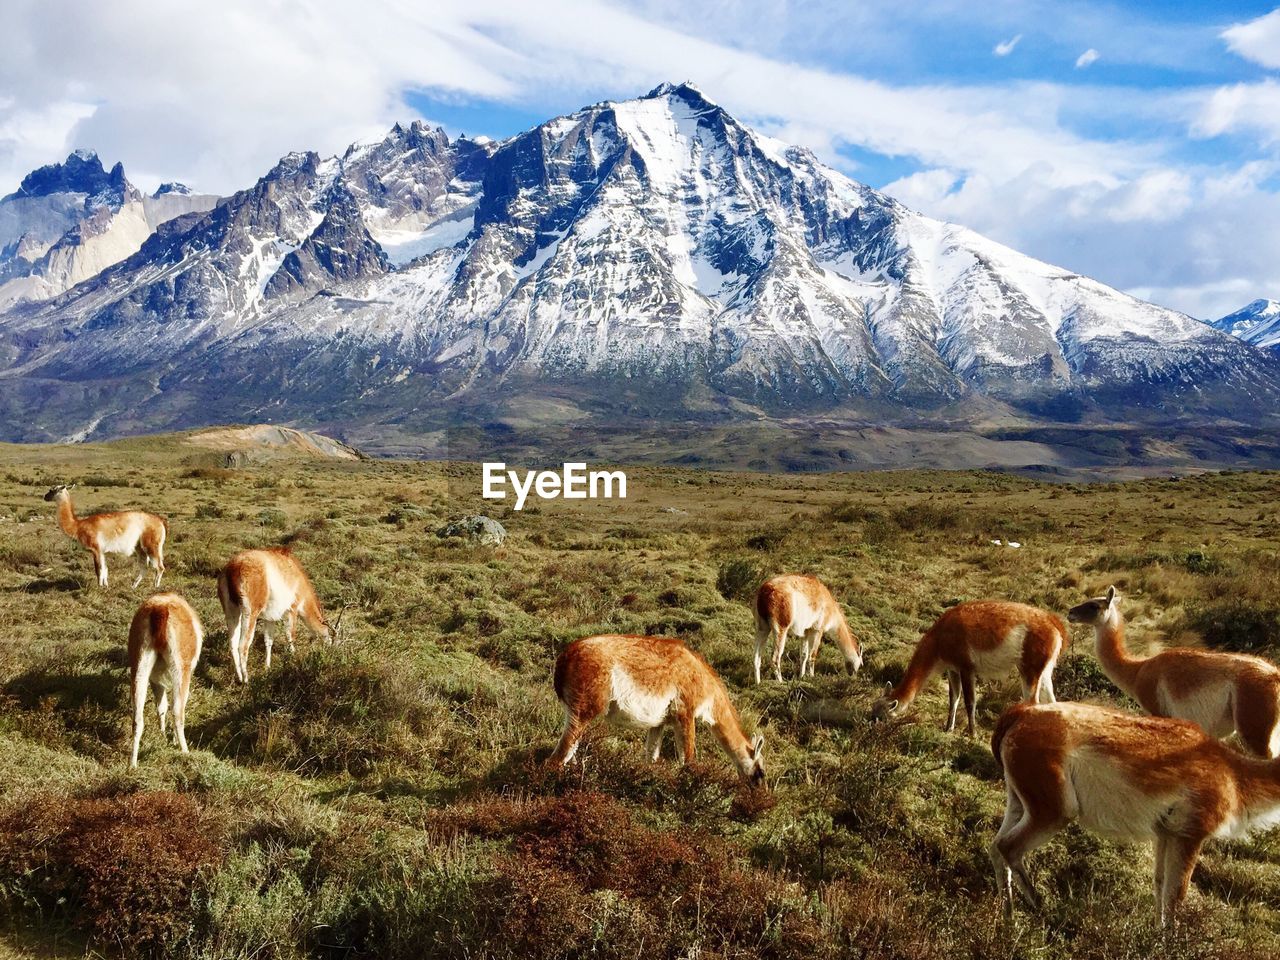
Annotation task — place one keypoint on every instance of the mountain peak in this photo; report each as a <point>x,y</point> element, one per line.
<point>295,163</point>
<point>81,172</point>
<point>172,187</point>
<point>1258,323</point>
<point>685,91</point>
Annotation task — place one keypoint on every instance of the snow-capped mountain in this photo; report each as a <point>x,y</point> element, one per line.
<point>69,221</point>
<point>1257,323</point>
<point>645,256</point>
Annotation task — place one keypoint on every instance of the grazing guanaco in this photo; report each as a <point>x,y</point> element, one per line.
<point>981,639</point>
<point>164,644</point>
<point>800,604</point>
<point>1126,776</point>
<point>128,532</point>
<point>268,585</point>
<point>1224,693</point>
<point>652,683</point>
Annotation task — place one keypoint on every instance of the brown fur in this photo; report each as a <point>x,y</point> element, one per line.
<point>655,683</point>
<point>780,603</point>
<point>975,638</point>
<point>165,636</point>
<point>245,587</point>
<point>1244,691</point>
<point>128,532</point>
<point>1134,777</point>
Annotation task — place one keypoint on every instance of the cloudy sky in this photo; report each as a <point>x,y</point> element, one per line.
<point>1138,143</point>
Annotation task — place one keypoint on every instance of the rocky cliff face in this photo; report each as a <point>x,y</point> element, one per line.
<point>68,222</point>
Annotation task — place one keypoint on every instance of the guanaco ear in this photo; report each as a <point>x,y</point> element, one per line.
<point>1111,595</point>
<point>887,686</point>
<point>893,705</point>
<point>757,744</point>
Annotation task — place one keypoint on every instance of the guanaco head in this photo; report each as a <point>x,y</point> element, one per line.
<point>55,492</point>
<point>886,705</point>
<point>753,769</point>
<point>332,632</point>
<point>1093,612</point>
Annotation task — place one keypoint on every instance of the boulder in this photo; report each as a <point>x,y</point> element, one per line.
<point>477,529</point>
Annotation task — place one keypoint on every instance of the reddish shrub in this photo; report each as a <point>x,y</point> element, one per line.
<point>121,868</point>
<point>680,891</point>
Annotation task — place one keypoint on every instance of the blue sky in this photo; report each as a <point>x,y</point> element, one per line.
<point>1135,142</point>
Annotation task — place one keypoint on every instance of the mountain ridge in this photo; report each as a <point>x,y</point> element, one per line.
<point>653,248</point>
<point>1257,323</point>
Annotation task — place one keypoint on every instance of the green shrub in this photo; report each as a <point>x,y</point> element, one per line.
<point>272,517</point>
<point>738,579</point>
<point>1236,623</point>
<point>332,710</point>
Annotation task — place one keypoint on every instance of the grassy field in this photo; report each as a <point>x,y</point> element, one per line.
<point>387,797</point>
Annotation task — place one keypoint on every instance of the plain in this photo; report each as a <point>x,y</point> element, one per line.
<point>387,796</point>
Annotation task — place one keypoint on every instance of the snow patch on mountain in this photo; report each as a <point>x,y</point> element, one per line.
<point>1257,323</point>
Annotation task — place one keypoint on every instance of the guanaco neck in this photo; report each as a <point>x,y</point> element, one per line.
<point>1258,784</point>
<point>1117,663</point>
<point>728,730</point>
<point>848,645</point>
<point>67,516</point>
<point>924,661</point>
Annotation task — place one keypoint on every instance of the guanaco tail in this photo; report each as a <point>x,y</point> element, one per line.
<point>984,639</point>
<point>165,638</point>
<point>1125,776</point>
<point>800,604</point>
<point>652,683</point>
<point>128,532</point>
<point>271,586</point>
<point>1224,693</point>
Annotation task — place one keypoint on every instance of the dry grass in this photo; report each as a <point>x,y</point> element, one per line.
<point>387,798</point>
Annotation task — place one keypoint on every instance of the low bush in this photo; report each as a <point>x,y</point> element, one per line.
<point>332,710</point>
<point>1236,623</point>
<point>738,579</point>
<point>122,869</point>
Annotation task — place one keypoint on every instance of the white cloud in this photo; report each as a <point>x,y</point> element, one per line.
<point>1242,107</point>
<point>268,78</point>
<point>1005,48</point>
<point>1087,58</point>
<point>1257,40</point>
<point>1204,245</point>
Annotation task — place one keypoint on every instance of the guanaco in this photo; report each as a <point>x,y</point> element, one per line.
<point>652,683</point>
<point>801,604</point>
<point>1126,776</point>
<point>165,634</point>
<point>268,585</point>
<point>1224,693</point>
<point>981,639</point>
<point>128,532</point>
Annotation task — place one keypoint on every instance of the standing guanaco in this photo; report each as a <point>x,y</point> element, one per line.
<point>272,586</point>
<point>1224,693</point>
<point>652,683</point>
<point>981,639</point>
<point>1126,776</point>
<point>165,633</point>
<point>800,604</point>
<point>128,532</point>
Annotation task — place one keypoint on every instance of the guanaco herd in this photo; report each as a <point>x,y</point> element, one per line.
<point>1165,778</point>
